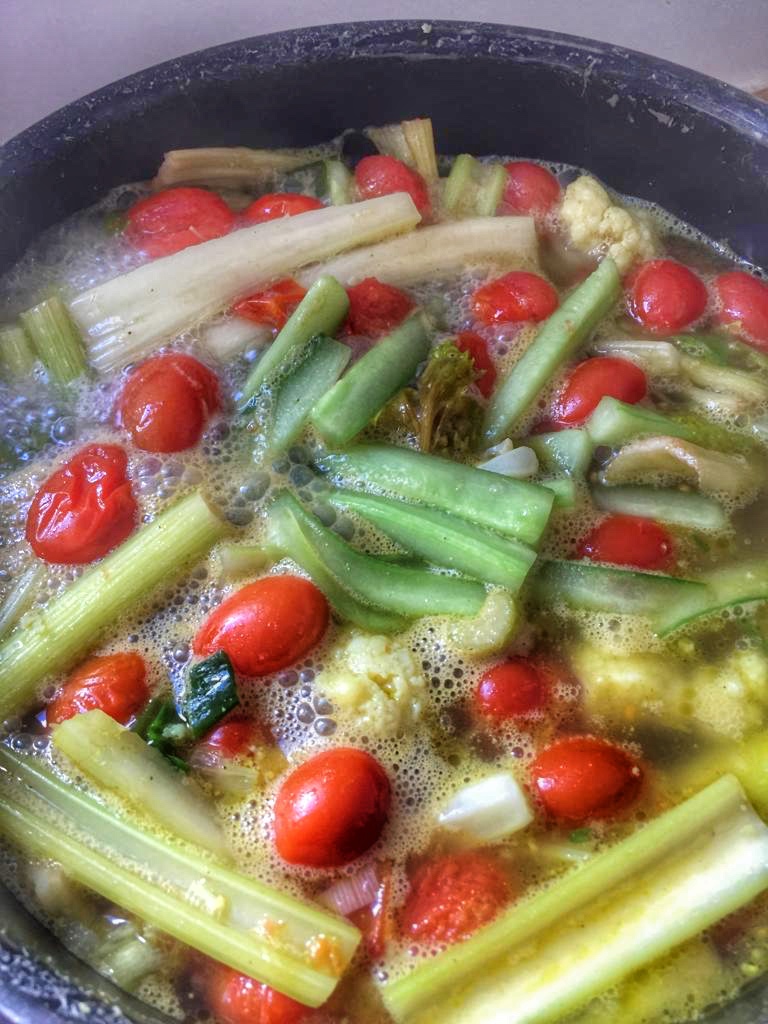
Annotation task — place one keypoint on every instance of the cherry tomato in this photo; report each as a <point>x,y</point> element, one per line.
<point>376,308</point>
<point>629,540</point>
<point>512,689</point>
<point>168,221</point>
<point>477,348</point>
<point>279,204</point>
<point>233,737</point>
<point>530,188</point>
<point>665,296</point>
<point>235,998</point>
<point>84,509</point>
<point>744,303</point>
<point>166,402</point>
<point>513,298</point>
<point>331,809</point>
<point>452,896</point>
<point>383,175</point>
<point>267,625</point>
<point>272,306</point>
<point>114,683</point>
<point>582,777</point>
<point>594,379</point>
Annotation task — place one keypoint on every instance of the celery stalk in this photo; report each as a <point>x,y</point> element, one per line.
<point>473,187</point>
<point>621,910</point>
<point>56,340</point>
<point>216,910</point>
<point>128,317</point>
<point>236,560</point>
<point>228,166</point>
<point>16,355</point>
<point>681,508</point>
<point>558,340</point>
<point>321,311</point>
<point>437,251</point>
<point>120,760</point>
<point>21,596</point>
<point>71,624</point>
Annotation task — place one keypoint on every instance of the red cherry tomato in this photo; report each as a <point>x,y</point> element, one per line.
<point>331,809</point>
<point>272,306</point>
<point>530,188</point>
<point>744,302</point>
<point>166,402</point>
<point>629,540</point>
<point>594,379</point>
<point>233,737</point>
<point>267,625</point>
<point>234,998</point>
<point>477,348</point>
<point>512,689</point>
<point>582,777</point>
<point>279,204</point>
<point>513,298</point>
<point>454,895</point>
<point>169,221</point>
<point>114,683</point>
<point>665,296</point>
<point>84,509</point>
<point>383,175</point>
<point>376,308</point>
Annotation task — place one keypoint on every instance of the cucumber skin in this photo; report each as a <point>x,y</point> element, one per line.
<point>615,422</point>
<point>680,508</point>
<point>557,341</point>
<point>568,451</point>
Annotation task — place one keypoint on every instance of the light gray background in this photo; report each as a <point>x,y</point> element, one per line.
<point>52,51</point>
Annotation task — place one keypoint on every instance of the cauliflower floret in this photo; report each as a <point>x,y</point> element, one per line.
<point>598,225</point>
<point>375,683</point>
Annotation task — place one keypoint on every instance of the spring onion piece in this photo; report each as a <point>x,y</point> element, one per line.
<point>302,389</point>
<point>119,760</point>
<point>228,166</point>
<point>444,539</point>
<point>490,631</point>
<point>556,342</point>
<point>162,727</point>
<point>350,894</point>
<point>437,251</point>
<point>487,810</point>
<point>680,508</point>
<point>412,141</point>
<point>21,596</point>
<point>563,451</point>
<point>473,187</point>
<point>221,913</point>
<point>289,538</point>
<point>71,624</point>
<point>624,908</point>
<point>320,312</point>
<point>237,560</point>
<point>355,400</point>
<point>518,463</point>
<point>127,318</point>
<point>710,471</point>
<point>56,339</point>
<point>514,508</point>
<point>210,692</point>
<point>16,355</point>
<point>401,589</point>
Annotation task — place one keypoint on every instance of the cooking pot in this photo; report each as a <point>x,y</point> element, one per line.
<point>647,127</point>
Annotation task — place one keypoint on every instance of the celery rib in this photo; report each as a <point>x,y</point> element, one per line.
<point>56,340</point>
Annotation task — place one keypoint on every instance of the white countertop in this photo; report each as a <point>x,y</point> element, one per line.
<point>52,51</point>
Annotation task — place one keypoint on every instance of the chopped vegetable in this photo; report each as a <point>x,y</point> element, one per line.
<point>510,690</point>
<point>710,471</point>
<point>598,225</point>
<point>473,188</point>
<point>210,693</point>
<point>375,308</point>
<point>679,508</point>
<point>518,463</point>
<point>384,175</point>
<point>412,142</point>
<point>272,306</point>
<point>114,683</point>
<point>491,630</point>
<point>744,306</point>
<point>21,596</point>
<point>172,220</point>
<point>666,296</point>
<point>589,382</point>
<point>56,340</point>
<point>629,540</point>
<point>490,809</point>
<point>237,560</point>
<point>227,166</point>
<point>279,204</point>
<point>530,188</point>
<point>16,355</point>
<point>514,298</point>
<point>563,451</point>
<point>727,587</point>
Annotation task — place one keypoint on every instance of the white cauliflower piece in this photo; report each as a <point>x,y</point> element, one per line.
<point>598,225</point>
<point>375,683</point>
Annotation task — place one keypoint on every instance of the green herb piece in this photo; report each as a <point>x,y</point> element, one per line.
<point>209,694</point>
<point>581,835</point>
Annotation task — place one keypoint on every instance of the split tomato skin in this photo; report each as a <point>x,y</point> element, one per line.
<point>234,998</point>
<point>84,509</point>
<point>114,683</point>
<point>167,401</point>
<point>743,303</point>
<point>629,540</point>
<point>332,808</point>
<point>665,296</point>
<point>530,189</point>
<point>582,778</point>
<point>172,220</point>
<point>267,625</point>
<point>376,308</point>
<point>275,205</point>
<point>594,379</point>
<point>272,306</point>
<point>453,895</point>
<point>234,737</point>
<point>514,298</point>
<point>382,175</point>
<point>513,689</point>
<point>477,347</point>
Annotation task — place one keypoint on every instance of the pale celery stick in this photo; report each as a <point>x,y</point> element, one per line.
<point>130,316</point>
<point>56,339</point>
<point>21,596</point>
<point>420,137</point>
<point>236,560</point>
<point>71,624</point>
<point>120,760</point>
<point>228,166</point>
<point>626,907</point>
<point>16,355</point>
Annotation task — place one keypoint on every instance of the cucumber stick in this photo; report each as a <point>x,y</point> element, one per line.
<point>401,589</point>
<point>679,508</point>
<point>514,508</point>
<point>473,187</point>
<point>321,311</point>
<point>730,587</point>
<point>443,539</point>
<point>558,341</point>
<point>614,423</point>
<point>548,955</point>
<point>563,451</point>
<point>364,391</point>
